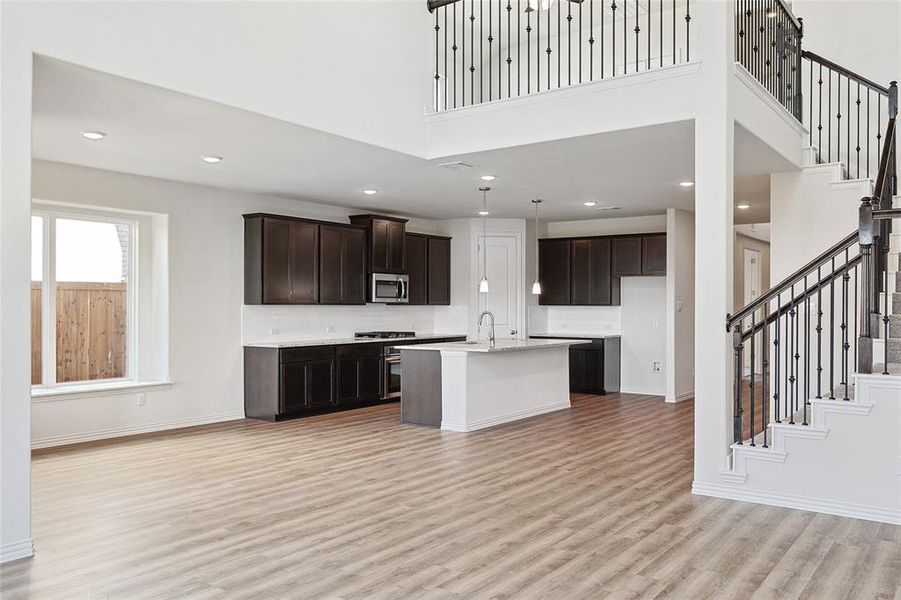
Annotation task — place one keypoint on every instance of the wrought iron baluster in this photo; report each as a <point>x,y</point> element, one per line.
<point>832,333</point>
<point>444,9</point>
<point>687,30</point>
<point>481,49</point>
<point>806,349</point>
<point>845,345</point>
<point>885,311</point>
<point>613,35</point>
<point>509,42</point>
<point>820,120</point>
<point>738,347</point>
<point>793,364</point>
<point>591,40</point>
<point>649,35</point>
<point>637,31</point>
<point>518,47</point>
<point>776,342</point>
<point>538,46</point>
<point>625,37</point>
<point>559,51</point>
<point>528,52</point>
<point>858,130</point>
<point>797,362</point>
<point>765,379</point>
<point>819,331</point>
<point>437,76</point>
<point>751,388</point>
<point>580,42</point>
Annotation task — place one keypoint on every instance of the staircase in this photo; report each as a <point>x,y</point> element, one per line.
<point>817,421</point>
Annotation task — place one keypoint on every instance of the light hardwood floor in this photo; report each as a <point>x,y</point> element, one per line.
<point>588,503</point>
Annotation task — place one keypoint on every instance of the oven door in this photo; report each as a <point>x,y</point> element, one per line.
<point>392,376</point>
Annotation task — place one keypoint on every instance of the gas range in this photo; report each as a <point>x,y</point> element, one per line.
<point>385,335</point>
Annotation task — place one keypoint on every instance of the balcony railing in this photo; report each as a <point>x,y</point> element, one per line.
<point>487,50</point>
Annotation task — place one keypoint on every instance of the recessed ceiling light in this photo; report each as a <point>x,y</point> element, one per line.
<point>93,135</point>
<point>370,192</point>
<point>608,208</point>
<point>212,159</point>
<point>484,213</point>
<point>743,206</point>
<point>686,183</point>
<point>590,203</point>
<point>488,177</point>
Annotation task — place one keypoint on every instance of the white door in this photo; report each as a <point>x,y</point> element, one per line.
<point>505,295</point>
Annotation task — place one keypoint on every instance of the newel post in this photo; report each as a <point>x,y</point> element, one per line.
<point>867,265</point>
<point>738,345</point>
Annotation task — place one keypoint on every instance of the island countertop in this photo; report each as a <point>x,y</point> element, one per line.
<point>500,346</point>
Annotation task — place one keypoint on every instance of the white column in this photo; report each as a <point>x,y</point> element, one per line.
<point>15,302</point>
<point>714,133</point>
<point>680,304</point>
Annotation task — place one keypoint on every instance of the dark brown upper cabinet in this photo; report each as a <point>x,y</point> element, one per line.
<point>439,271</point>
<point>385,242</point>
<point>626,256</point>
<point>281,258</point>
<point>592,283</point>
<point>417,247</point>
<point>342,271</point>
<point>554,271</point>
<point>653,255</point>
<point>428,267</point>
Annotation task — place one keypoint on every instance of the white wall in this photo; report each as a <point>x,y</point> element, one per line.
<point>205,304</point>
<point>680,304</point>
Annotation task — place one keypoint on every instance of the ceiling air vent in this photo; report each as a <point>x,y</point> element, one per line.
<point>457,165</point>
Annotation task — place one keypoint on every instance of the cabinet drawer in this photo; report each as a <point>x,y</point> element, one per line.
<point>359,350</point>
<point>312,353</point>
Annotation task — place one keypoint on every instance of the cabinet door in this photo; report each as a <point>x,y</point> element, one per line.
<point>330,264</point>
<point>369,374</point>
<point>417,268</point>
<point>276,262</point>
<point>320,387</point>
<point>626,256</point>
<point>346,380</point>
<point>304,263</point>
<point>439,271</point>
<point>591,281</point>
<point>293,392</point>
<point>396,243</point>
<point>353,266</point>
<point>378,250</point>
<point>554,271</point>
<point>653,255</point>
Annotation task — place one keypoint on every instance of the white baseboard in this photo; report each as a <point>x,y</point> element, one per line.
<point>682,397</point>
<point>821,505</point>
<point>103,434</point>
<point>485,423</point>
<point>661,393</point>
<point>17,550</point>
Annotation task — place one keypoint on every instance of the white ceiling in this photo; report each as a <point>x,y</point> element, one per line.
<point>159,133</point>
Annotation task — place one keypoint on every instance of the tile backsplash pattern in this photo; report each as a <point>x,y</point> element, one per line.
<point>285,323</point>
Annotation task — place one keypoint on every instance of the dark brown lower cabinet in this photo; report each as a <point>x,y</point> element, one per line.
<point>281,383</point>
<point>358,377</point>
<point>594,367</point>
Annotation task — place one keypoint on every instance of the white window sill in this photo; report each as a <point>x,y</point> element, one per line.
<point>89,390</point>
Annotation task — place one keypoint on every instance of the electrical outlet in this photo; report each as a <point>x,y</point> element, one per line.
<point>273,331</point>
<point>679,306</point>
<point>655,366</point>
<point>656,325</point>
<point>142,399</point>
<point>330,329</point>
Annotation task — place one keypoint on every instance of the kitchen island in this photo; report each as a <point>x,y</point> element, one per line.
<point>465,386</point>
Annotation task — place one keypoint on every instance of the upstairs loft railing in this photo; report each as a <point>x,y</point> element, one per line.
<point>488,50</point>
<point>844,112</point>
<point>805,338</point>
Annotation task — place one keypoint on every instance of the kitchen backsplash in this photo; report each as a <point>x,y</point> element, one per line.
<point>576,319</point>
<point>279,323</point>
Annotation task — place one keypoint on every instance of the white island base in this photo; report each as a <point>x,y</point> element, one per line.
<point>481,386</point>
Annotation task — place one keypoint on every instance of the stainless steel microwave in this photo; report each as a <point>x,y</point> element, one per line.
<point>390,288</point>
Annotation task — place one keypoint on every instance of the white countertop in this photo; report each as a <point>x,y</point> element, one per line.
<point>342,341</point>
<point>577,335</point>
<point>501,345</point>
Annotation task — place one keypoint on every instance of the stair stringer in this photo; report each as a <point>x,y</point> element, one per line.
<point>846,462</point>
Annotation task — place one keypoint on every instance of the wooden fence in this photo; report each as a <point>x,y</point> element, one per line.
<point>90,331</point>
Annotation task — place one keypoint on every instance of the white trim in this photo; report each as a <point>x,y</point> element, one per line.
<point>619,81</point>
<point>491,422</point>
<point>826,168</point>
<point>93,389</point>
<point>829,507</point>
<point>17,550</point>
<point>654,392</point>
<point>689,395</point>
<point>75,438</point>
<point>750,82</point>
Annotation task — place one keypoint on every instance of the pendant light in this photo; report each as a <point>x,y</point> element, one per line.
<point>536,287</point>
<point>483,284</point>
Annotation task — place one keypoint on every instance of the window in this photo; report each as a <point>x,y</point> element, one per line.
<point>82,298</point>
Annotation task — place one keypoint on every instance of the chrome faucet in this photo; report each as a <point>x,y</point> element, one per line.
<point>491,332</point>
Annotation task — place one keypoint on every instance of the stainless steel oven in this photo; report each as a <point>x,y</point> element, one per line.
<point>389,288</point>
<point>392,373</point>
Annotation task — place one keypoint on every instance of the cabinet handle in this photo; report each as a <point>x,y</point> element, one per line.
<point>512,332</point>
